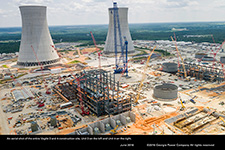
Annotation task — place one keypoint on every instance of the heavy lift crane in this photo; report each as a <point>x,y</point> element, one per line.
<point>185,73</point>
<point>119,68</point>
<point>99,52</point>
<point>47,89</point>
<point>84,112</point>
<point>143,76</point>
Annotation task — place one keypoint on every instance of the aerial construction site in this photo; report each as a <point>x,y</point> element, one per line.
<point>122,87</point>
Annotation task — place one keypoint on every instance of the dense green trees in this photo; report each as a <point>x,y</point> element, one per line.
<point>154,31</point>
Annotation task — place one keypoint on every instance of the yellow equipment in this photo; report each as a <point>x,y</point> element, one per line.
<point>221,118</point>
<point>143,75</point>
<point>185,73</point>
<point>113,131</point>
<point>182,104</point>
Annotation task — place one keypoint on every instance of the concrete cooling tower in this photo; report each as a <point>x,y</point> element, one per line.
<point>35,33</point>
<point>124,28</point>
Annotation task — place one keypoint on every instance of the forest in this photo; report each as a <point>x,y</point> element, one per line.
<point>10,37</point>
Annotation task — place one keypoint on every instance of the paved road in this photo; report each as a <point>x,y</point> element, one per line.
<point>3,122</point>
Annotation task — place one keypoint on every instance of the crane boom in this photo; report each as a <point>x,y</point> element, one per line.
<point>182,60</point>
<point>99,52</point>
<point>143,75</point>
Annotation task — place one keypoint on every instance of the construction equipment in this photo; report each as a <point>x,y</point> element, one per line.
<point>124,67</point>
<point>113,131</point>
<point>99,52</point>
<point>182,104</point>
<point>56,51</point>
<point>192,99</point>
<point>221,118</point>
<point>185,73</point>
<point>144,75</point>
<point>119,68</point>
<point>84,112</point>
<point>178,61</point>
<point>46,86</point>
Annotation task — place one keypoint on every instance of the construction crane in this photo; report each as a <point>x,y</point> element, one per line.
<point>185,73</point>
<point>84,112</point>
<point>192,99</point>
<point>182,104</point>
<point>119,68</point>
<point>113,131</point>
<point>47,89</point>
<point>143,75</point>
<point>221,118</point>
<point>56,51</point>
<point>99,52</point>
<point>178,61</point>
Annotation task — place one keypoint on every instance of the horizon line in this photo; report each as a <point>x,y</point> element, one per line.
<point>128,23</point>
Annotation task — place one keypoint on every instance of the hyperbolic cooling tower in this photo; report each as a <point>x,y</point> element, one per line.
<point>35,33</point>
<point>125,32</point>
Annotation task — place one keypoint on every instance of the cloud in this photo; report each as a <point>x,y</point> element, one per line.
<point>25,2</point>
<point>62,12</point>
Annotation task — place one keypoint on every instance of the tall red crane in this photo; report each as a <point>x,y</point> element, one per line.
<point>84,112</point>
<point>56,51</point>
<point>47,90</point>
<point>98,50</point>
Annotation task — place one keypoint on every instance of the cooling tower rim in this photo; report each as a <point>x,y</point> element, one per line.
<point>28,6</point>
<point>119,8</point>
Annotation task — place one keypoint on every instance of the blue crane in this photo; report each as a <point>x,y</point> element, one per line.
<point>122,59</point>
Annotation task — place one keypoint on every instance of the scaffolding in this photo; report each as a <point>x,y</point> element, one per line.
<point>99,92</point>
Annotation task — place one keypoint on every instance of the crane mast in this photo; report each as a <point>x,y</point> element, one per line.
<point>143,75</point>
<point>118,34</point>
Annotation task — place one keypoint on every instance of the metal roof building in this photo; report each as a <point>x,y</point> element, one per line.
<point>22,94</point>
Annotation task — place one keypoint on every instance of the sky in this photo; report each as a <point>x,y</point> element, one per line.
<point>83,12</point>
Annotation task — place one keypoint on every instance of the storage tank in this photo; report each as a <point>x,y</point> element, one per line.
<point>124,28</point>
<point>207,58</point>
<point>36,47</point>
<point>53,121</point>
<point>165,92</point>
<point>34,126</point>
<point>222,59</point>
<point>170,67</point>
<point>200,55</point>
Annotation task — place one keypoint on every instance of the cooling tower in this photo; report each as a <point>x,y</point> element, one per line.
<point>35,33</point>
<point>125,32</point>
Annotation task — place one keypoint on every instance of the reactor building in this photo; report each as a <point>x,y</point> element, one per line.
<point>36,47</point>
<point>121,26</point>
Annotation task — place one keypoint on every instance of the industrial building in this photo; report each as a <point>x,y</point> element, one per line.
<point>36,47</point>
<point>202,72</point>
<point>165,92</point>
<point>96,90</point>
<point>222,60</point>
<point>123,30</point>
<point>200,55</point>
<point>170,67</point>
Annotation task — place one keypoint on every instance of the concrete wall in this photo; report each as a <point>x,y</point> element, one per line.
<point>111,120</point>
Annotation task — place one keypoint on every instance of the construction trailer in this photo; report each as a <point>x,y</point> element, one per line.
<point>99,92</point>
